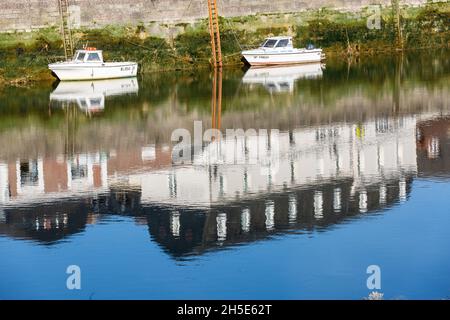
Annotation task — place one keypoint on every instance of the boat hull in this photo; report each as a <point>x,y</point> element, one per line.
<point>279,59</point>
<point>94,72</point>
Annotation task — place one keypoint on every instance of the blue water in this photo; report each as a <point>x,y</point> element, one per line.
<point>409,242</point>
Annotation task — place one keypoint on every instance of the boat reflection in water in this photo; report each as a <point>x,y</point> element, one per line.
<point>282,79</point>
<point>90,95</point>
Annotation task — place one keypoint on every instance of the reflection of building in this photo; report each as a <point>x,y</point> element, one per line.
<point>238,190</point>
<point>433,147</point>
<point>246,167</point>
<point>90,95</point>
<point>282,79</point>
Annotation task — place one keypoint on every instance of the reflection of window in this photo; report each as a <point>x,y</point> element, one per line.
<point>282,43</point>
<point>270,43</point>
<point>382,125</point>
<point>81,56</point>
<point>245,220</point>
<point>29,175</point>
<point>285,85</point>
<point>270,215</point>
<point>93,57</point>
<point>79,171</point>
<point>433,148</point>
<point>321,134</point>
<point>96,102</point>
<point>83,103</point>
<point>221,226</point>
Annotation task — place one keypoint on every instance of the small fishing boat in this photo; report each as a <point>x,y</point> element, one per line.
<point>280,51</point>
<point>88,64</point>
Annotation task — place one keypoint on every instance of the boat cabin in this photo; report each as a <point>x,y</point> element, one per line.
<point>88,55</point>
<point>277,43</point>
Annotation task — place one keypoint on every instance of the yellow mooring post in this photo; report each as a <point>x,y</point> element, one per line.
<point>214,32</point>
<point>65,28</point>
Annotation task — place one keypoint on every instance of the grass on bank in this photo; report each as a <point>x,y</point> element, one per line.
<point>24,56</point>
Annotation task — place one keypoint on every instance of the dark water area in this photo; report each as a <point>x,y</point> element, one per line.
<point>353,170</point>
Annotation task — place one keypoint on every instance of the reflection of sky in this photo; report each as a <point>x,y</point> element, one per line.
<point>410,244</point>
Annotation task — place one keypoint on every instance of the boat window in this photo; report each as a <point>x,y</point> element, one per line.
<point>83,103</point>
<point>270,43</point>
<point>81,56</point>
<point>283,43</point>
<point>93,57</point>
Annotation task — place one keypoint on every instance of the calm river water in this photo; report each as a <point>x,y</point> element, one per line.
<point>352,171</point>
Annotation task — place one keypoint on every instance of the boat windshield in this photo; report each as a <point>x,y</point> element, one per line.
<point>270,43</point>
<point>81,56</point>
<point>283,43</point>
<point>93,57</point>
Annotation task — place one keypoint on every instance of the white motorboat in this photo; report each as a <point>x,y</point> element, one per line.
<point>280,51</point>
<point>88,64</point>
<point>282,78</point>
<point>90,95</point>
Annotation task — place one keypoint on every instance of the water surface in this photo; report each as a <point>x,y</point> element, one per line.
<point>357,174</point>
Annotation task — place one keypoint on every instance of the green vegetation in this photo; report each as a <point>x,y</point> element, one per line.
<point>24,56</point>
